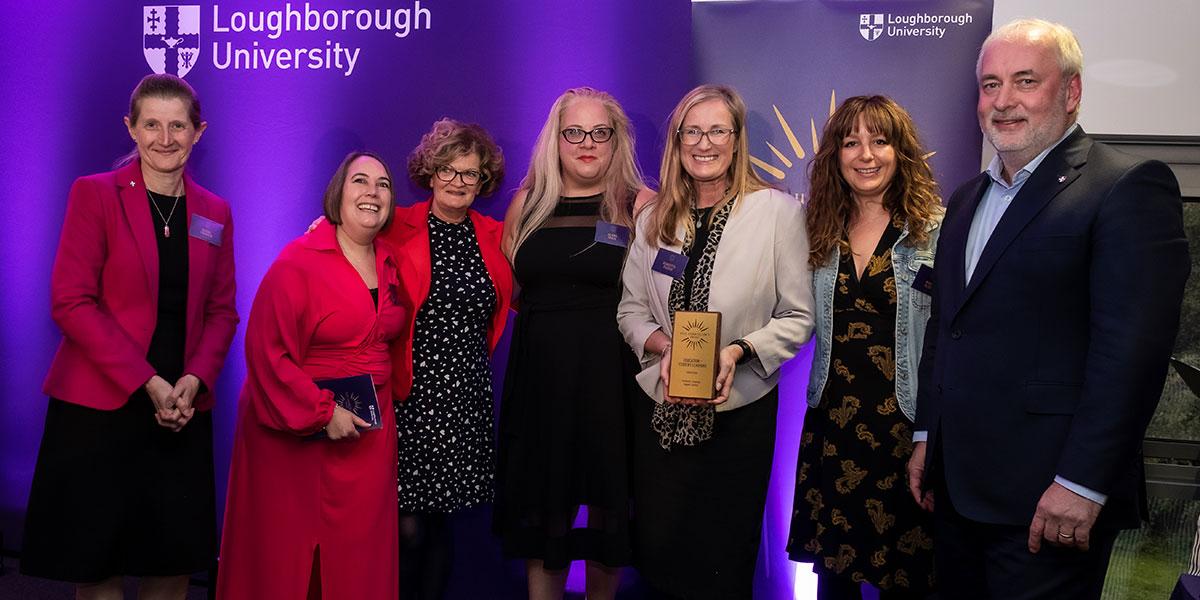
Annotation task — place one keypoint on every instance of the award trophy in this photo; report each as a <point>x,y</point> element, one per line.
<point>695,343</point>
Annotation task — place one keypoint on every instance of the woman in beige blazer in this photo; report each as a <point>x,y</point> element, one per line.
<point>701,467</point>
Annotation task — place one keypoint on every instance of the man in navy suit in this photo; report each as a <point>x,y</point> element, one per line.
<point>1060,273</point>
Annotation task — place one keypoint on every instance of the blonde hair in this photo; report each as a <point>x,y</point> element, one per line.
<point>543,182</point>
<point>677,193</point>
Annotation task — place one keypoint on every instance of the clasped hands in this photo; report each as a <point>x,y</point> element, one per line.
<point>173,404</point>
<point>1062,518</point>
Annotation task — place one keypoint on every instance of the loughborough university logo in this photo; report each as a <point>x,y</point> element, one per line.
<point>870,26</point>
<point>171,38</point>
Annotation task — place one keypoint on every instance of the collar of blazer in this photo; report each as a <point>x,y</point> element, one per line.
<point>131,187</point>
<point>1058,171</point>
<point>411,240</point>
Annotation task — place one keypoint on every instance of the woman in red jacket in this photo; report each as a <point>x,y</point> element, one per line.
<point>314,517</point>
<point>460,285</point>
<point>143,291</point>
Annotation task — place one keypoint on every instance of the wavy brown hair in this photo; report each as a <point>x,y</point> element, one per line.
<point>911,197</point>
<point>450,139</point>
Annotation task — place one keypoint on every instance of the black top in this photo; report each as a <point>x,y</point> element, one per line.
<point>167,345</point>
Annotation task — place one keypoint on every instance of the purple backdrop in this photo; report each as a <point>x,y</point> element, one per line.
<point>791,61</point>
<point>275,136</point>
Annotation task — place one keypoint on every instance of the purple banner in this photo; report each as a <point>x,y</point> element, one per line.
<point>288,88</point>
<point>794,62</point>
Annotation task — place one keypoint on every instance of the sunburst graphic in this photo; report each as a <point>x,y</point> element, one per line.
<point>350,401</point>
<point>694,334</point>
<point>797,148</point>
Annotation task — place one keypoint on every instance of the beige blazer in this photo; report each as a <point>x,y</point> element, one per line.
<point>761,284</point>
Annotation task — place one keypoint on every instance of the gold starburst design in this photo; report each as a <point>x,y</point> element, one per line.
<point>694,334</point>
<point>350,401</point>
<point>796,147</point>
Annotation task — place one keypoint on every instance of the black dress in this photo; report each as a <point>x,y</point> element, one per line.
<point>853,515</point>
<point>113,492</point>
<point>445,426</point>
<point>563,480</point>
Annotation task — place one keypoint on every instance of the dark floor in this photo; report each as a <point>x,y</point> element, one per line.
<point>480,572</point>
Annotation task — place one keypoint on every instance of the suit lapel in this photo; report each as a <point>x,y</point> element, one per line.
<point>488,236</point>
<point>415,249</point>
<point>136,203</point>
<point>198,250</point>
<point>952,244</point>
<point>1056,172</point>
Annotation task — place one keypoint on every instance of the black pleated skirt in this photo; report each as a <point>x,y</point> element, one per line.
<point>114,493</point>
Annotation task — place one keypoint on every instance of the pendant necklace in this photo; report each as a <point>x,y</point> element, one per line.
<point>166,219</point>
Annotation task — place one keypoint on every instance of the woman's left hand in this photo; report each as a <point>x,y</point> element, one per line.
<point>726,365</point>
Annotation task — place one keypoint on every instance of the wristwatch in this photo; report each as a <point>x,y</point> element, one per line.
<point>747,350</point>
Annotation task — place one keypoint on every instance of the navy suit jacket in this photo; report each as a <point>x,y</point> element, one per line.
<point>1051,359</point>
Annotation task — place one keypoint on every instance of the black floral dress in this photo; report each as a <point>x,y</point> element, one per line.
<point>853,516</point>
<point>445,426</point>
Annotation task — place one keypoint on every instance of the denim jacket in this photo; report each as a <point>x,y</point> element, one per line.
<point>912,314</point>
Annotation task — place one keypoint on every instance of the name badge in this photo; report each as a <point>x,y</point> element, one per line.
<point>670,263</point>
<point>612,234</point>
<point>206,229</point>
<point>923,282</point>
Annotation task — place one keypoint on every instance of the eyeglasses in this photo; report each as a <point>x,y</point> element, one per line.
<point>692,136</point>
<point>575,135</point>
<point>469,177</point>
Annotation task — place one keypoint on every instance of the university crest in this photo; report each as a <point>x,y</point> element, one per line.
<point>870,26</point>
<point>171,38</point>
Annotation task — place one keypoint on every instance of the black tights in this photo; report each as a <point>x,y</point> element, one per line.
<point>426,555</point>
<point>830,587</point>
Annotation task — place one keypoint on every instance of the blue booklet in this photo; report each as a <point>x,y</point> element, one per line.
<point>355,394</point>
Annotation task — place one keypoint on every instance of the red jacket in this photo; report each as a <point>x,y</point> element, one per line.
<point>408,235</point>
<point>104,291</point>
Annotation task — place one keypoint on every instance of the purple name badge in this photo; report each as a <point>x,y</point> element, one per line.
<point>206,229</point>
<point>670,263</point>
<point>612,234</point>
<point>923,282</point>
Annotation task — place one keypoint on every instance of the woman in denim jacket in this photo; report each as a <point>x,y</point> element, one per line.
<point>873,219</point>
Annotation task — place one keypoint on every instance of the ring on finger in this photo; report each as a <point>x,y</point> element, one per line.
<point>1066,536</point>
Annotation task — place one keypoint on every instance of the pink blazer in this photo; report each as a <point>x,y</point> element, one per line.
<point>408,235</point>
<point>104,291</point>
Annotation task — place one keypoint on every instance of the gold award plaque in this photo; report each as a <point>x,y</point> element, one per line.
<point>695,344</point>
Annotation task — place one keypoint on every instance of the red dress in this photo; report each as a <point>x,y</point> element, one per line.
<point>313,319</point>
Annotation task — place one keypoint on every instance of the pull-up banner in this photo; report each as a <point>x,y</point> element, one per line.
<point>794,61</point>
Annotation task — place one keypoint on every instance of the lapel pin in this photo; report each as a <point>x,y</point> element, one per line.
<point>1062,178</point>
<point>133,184</point>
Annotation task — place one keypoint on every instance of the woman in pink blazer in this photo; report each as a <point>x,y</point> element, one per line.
<point>143,290</point>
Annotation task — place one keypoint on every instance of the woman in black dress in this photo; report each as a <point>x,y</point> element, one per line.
<point>873,219</point>
<point>564,409</point>
<point>143,291</point>
<point>459,285</point>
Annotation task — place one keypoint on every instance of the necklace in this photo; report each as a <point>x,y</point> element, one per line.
<point>166,219</point>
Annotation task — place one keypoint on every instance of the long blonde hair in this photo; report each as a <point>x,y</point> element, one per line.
<point>543,183</point>
<point>678,192</point>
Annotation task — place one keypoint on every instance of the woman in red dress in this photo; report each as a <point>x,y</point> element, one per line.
<point>317,517</point>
